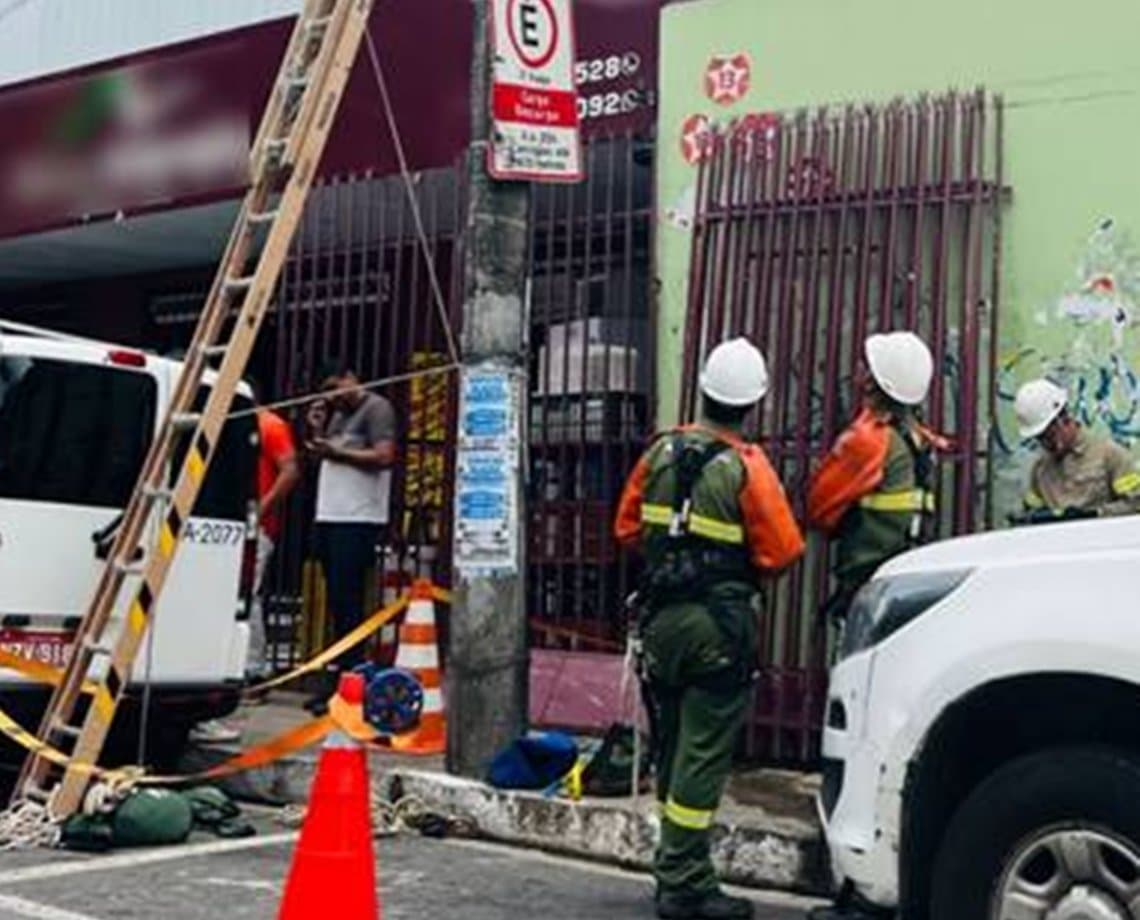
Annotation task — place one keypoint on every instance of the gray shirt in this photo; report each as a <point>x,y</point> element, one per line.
<point>346,493</point>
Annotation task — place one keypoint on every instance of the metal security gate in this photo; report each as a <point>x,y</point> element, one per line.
<point>592,371</point>
<point>813,230</point>
<point>356,285</point>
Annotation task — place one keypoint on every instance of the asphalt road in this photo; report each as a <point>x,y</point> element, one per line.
<point>242,880</point>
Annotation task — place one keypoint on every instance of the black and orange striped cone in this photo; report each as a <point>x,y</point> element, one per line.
<point>419,655</point>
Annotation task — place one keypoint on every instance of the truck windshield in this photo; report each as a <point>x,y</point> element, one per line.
<point>77,434</point>
<point>74,434</point>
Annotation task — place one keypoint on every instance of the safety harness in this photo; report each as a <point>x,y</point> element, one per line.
<point>697,550</point>
<point>918,500</point>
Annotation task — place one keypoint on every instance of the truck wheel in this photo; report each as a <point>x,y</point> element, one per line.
<point>1055,836</point>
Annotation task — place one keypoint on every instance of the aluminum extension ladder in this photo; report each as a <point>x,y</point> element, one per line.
<point>284,158</point>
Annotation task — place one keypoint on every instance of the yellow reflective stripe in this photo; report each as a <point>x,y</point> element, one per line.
<point>1126,484</point>
<point>909,500</point>
<point>693,819</point>
<point>1033,500</point>
<point>715,530</point>
<point>699,525</point>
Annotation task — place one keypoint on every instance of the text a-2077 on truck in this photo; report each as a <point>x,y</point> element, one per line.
<point>76,420</point>
<point>982,736</point>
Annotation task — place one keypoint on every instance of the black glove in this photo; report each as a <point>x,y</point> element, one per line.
<point>1053,515</point>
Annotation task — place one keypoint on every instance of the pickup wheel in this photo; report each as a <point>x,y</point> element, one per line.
<point>1054,836</point>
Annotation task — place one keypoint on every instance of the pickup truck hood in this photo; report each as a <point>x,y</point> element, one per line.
<point>1022,546</point>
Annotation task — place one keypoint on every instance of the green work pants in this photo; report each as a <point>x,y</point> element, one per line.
<point>699,657</point>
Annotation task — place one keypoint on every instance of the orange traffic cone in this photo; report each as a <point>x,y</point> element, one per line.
<point>419,654</point>
<point>334,856</point>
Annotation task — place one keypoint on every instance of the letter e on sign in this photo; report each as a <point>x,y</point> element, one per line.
<point>534,100</point>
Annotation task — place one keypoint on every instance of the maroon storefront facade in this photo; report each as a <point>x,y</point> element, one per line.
<point>356,279</point>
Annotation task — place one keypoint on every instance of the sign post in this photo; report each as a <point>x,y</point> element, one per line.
<point>534,103</point>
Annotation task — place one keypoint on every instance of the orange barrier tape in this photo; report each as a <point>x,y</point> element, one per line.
<point>36,670</point>
<point>288,742</point>
<point>338,648</point>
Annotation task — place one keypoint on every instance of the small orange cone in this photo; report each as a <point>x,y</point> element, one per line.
<point>419,655</point>
<point>333,865</point>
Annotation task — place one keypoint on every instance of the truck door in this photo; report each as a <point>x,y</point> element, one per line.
<point>75,425</point>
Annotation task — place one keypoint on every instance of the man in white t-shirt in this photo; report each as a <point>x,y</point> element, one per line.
<point>354,491</point>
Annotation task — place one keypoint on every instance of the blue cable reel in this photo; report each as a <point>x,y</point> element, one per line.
<point>393,699</point>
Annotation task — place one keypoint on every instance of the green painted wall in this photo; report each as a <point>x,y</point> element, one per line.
<point>1070,73</point>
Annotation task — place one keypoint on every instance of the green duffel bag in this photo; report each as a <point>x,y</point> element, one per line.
<point>147,817</point>
<point>150,818</point>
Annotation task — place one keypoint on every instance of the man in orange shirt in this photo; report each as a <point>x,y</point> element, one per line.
<point>277,476</point>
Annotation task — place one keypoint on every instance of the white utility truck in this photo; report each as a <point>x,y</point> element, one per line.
<point>76,419</point>
<point>982,737</point>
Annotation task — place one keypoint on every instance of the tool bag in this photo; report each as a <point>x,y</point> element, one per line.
<point>155,817</point>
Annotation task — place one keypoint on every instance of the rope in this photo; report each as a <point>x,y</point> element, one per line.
<point>28,826</point>
<point>417,217</point>
<point>367,385</point>
<point>407,815</point>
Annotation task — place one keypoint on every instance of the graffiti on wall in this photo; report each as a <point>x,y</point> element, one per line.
<point>1088,343</point>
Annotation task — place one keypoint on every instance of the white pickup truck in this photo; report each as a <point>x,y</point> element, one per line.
<point>982,737</point>
<point>76,420</point>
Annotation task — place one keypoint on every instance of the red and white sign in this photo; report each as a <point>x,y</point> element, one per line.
<point>534,104</point>
<point>696,138</point>
<point>728,78</point>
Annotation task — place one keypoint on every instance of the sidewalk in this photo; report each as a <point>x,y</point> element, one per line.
<point>766,833</point>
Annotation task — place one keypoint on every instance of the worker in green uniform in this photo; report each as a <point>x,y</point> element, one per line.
<point>1077,475</point>
<point>873,492</point>
<point>712,519</point>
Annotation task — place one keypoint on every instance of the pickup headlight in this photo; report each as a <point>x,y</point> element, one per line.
<point>885,605</point>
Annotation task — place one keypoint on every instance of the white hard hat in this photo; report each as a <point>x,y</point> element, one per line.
<point>1037,404</point>
<point>735,374</point>
<point>901,364</point>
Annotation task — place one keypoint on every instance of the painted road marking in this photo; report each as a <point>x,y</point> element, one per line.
<point>33,910</point>
<point>764,897</point>
<point>144,858</point>
<point>212,848</point>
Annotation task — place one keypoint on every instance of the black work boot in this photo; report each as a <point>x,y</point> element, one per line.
<point>714,906</point>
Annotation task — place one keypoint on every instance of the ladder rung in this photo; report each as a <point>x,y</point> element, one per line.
<point>67,731</point>
<point>296,81</point>
<point>36,794</point>
<point>162,492</point>
<point>183,421</point>
<point>318,24</point>
<point>262,217</point>
<point>213,351</point>
<point>129,568</point>
<point>239,284</point>
<point>95,647</point>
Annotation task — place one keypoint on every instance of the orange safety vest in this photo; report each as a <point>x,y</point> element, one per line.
<point>769,528</point>
<point>854,468</point>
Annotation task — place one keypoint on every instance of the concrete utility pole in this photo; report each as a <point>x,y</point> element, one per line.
<point>488,665</point>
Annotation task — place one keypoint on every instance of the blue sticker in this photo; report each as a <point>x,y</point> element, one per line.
<point>487,390</point>
<point>482,505</point>
<point>484,471</point>
<point>485,422</point>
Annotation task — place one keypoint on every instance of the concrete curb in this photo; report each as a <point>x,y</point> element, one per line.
<point>765,853</point>
<point>751,848</point>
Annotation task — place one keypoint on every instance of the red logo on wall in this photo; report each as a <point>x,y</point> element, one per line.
<point>696,138</point>
<point>728,78</point>
<point>757,135</point>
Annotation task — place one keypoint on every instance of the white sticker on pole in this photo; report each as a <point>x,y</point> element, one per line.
<point>534,103</point>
